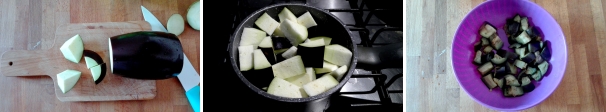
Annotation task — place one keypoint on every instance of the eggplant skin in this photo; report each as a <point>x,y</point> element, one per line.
<point>146,55</point>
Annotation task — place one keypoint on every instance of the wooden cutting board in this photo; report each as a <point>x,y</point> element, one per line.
<point>95,37</point>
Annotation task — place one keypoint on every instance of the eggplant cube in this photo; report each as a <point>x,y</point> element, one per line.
<point>312,53</point>
<point>490,84</point>
<point>289,67</point>
<point>280,43</point>
<point>485,68</point>
<point>487,30</point>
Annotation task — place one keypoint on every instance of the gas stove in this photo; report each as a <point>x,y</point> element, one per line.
<point>369,89</point>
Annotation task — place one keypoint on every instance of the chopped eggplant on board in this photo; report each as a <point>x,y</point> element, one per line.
<point>512,69</point>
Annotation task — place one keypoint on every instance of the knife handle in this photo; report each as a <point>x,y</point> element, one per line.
<point>193,96</point>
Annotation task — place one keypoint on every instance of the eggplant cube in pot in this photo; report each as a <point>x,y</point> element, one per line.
<point>291,69</point>
<point>146,55</point>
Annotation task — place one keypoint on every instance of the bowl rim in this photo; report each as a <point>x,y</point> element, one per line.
<point>541,99</point>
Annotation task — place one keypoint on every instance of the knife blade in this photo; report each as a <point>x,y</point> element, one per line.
<point>188,77</point>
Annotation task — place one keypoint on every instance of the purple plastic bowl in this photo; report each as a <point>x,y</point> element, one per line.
<point>496,12</point>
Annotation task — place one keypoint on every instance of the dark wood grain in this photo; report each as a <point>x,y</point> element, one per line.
<point>431,25</point>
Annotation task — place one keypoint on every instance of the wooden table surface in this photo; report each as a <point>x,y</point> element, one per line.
<point>432,85</point>
<point>31,25</point>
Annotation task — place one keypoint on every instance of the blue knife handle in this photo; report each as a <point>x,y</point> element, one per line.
<point>193,95</point>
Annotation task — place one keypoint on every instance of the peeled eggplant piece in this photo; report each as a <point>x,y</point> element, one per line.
<point>520,51</point>
<point>523,38</point>
<point>490,84</point>
<point>507,54</point>
<point>529,58</point>
<point>514,45</point>
<point>513,91</point>
<point>498,81</point>
<point>485,68</point>
<point>511,68</point>
<point>501,72</point>
<point>530,70</point>
<point>146,55</point>
<point>478,58</point>
<point>543,67</point>
<point>495,42</point>
<point>520,64</point>
<point>517,18</point>
<point>525,81</point>
<point>487,30</point>
<point>511,80</point>
<point>281,43</point>
<point>485,41</point>
<point>524,23</point>
<point>498,60</point>
<point>528,88</point>
<point>536,76</point>
<point>487,49</point>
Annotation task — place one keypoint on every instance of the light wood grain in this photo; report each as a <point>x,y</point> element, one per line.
<point>51,62</point>
<point>431,85</point>
<point>31,25</point>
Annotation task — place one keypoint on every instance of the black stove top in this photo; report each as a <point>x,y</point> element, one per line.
<point>376,90</point>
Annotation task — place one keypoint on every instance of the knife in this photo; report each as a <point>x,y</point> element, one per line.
<point>188,77</point>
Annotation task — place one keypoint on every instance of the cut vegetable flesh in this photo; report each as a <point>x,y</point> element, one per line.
<point>306,20</point>
<point>266,43</point>
<point>485,68</point>
<point>260,61</point>
<point>67,79</point>
<point>283,88</point>
<point>267,24</point>
<point>487,30</point>
<point>246,57</point>
<point>285,14</point>
<point>337,54</point>
<point>303,79</point>
<point>251,36</point>
<point>193,15</point>
<point>292,51</point>
<point>98,73</point>
<point>320,85</point>
<point>289,67</point>
<point>72,49</point>
<point>488,81</point>
<point>95,64</point>
<point>175,24</point>
<point>338,74</point>
<point>294,32</point>
<point>326,68</point>
<point>326,39</point>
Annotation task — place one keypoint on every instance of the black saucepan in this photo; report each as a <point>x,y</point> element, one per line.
<point>328,25</point>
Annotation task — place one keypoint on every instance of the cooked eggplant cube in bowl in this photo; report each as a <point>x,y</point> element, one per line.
<point>308,56</point>
<point>525,55</point>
